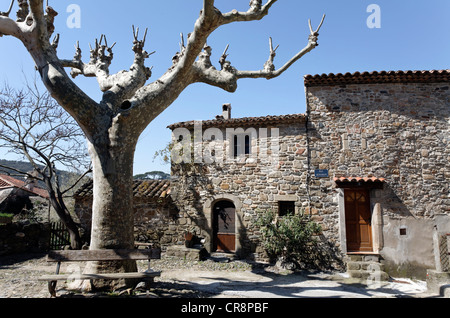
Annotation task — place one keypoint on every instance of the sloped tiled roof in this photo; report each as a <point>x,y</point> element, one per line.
<point>244,122</point>
<point>433,76</point>
<point>9,182</point>
<point>155,189</point>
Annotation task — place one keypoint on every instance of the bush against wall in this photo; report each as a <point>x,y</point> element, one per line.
<point>291,239</point>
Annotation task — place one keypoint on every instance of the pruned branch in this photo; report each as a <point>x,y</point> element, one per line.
<point>269,66</point>
<point>269,70</point>
<point>223,59</point>
<point>256,12</point>
<point>6,14</point>
<point>122,85</point>
<point>187,70</point>
<point>9,27</point>
<point>227,78</point>
<point>316,33</point>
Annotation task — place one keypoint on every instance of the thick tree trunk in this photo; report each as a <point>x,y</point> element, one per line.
<point>112,219</point>
<point>112,209</point>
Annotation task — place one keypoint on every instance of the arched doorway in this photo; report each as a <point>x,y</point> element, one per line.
<point>224,226</point>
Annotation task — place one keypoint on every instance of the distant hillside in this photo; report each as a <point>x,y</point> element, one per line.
<point>153,175</point>
<point>64,176</point>
<point>19,165</point>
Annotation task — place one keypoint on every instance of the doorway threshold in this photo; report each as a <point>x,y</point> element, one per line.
<point>363,253</point>
<point>222,257</point>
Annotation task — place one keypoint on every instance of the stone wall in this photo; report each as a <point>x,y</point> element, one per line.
<point>399,132</point>
<point>254,183</point>
<point>156,220</point>
<point>16,238</point>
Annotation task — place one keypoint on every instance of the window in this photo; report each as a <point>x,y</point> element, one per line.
<point>242,145</point>
<point>286,208</point>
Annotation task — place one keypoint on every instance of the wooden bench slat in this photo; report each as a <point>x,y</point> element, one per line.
<point>102,255</point>
<point>112,276</point>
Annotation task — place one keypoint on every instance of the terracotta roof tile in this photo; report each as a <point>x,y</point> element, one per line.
<point>8,182</point>
<point>433,76</point>
<point>151,188</point>
<point>244,122</point>
<point>155,189</point>
<point>359,179</point>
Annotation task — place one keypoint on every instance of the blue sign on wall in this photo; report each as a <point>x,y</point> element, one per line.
<point>322,173</point>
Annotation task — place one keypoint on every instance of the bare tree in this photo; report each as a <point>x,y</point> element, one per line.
<point>34,126</point>
<point>113,125</point>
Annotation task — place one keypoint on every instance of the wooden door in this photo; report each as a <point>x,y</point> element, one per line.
<point>224,227</point>
<point>358,220</point>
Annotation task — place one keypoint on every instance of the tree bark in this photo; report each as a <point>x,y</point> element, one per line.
<point>62,212</point>
<point>112,208</point>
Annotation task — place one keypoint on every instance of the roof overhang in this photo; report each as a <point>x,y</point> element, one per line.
<point>384,77</point>
<point>359,182</point>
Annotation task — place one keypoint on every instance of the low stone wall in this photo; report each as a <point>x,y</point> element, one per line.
<point>439,283</point>
<point>18,238</point>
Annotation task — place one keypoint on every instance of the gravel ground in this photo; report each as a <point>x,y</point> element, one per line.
<point>214,278</point>
<point>19,277</point>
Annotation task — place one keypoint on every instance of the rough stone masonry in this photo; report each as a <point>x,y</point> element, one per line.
<point>391,127</point>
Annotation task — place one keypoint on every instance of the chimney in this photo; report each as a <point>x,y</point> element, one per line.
<point>226,111</point>
<point>31,183</point>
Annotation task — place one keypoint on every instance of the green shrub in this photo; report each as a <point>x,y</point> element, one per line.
<point>291,238</point>
<point>5,218</point>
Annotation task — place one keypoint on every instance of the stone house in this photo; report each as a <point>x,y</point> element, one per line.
<point>369,161</point>
<point>394,126</point>
<point>245,166</point>
<point>18,195</point>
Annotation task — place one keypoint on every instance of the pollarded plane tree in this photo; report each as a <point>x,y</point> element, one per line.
<point>129,104</point>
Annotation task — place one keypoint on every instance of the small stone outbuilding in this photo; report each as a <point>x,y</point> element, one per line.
<point>155,214</point>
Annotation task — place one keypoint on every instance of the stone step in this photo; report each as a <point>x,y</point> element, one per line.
<point>363,258</point>
<point>374,276</point>
<point>365,266</point>
<point>220,257</point>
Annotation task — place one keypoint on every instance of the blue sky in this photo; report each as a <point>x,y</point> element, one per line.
<point>414,35</point>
